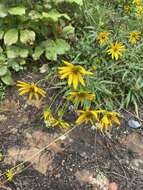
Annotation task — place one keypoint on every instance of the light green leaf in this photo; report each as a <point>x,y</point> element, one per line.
<point>34,15</point>
<point>12,52</point>
<point>68,30</point>
<point>15,66</point>
<point>3,11</point>
<point>54,15</point>
<point>3,70</point>
<point>61,46</point>
<point>51,54</point>
<point>7,79</point>
<point>38,52</point>
<point>27,36</point>
<point>54,48</point>
<point>23,52</point>
<point>79,2</point>
<point>17,11</point>
<point>11,37</point>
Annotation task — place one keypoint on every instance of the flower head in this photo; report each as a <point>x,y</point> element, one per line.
<point>10,175</point>
<point>81,96</point>
<point>116,50</point>
<point>137,2</point>
<point>127,8</point>
<point>103,37</point>
<point>74,73</point>
<point>62,124</point>
<point>139,10</point>
<point>31,89</point>
<point>49,119</point>
<point>108,119</point>
<point>87,116</point>
<point>134,37</point>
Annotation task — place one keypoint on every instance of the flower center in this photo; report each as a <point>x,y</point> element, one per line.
<point>81,95</point>
<point>89,115</point>
<point>75,70</point>
<point>115,49</point>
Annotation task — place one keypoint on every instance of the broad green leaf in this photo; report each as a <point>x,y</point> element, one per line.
<point>23,52</point>
<point>51,54</point>
<point>54,48</point>
<point>61,46</point>
<point>7,79</point>
<point>54,15</point>
<point>3,70</point>
<point>79,2</point>
<point>1,34</point>
<point>34,15</point>
<point>17,11</point>
<point>15,66</point>
<point>27,36</point>
<point>11,37</point>
<point>38,52</point>
<point>3,11</point>
<point>68,30</point>
<point>12,52</point>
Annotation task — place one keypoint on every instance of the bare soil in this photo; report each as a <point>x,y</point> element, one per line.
<point>82,160</point>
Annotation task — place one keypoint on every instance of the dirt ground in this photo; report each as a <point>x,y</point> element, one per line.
<point>80,160</point>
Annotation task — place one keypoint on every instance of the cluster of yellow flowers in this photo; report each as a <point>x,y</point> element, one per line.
<point>117,48</point>
<point>75,77</point>
<point>103,119</point>
<point>138,6</point>
<point>50,120</point>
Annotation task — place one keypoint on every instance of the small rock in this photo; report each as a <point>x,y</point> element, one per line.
<point>3,117</point>
<point>134,142</point>
<point>113,186</point>
<point>134,124</point>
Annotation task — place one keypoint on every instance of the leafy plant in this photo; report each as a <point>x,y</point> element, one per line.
<point>29,29</point>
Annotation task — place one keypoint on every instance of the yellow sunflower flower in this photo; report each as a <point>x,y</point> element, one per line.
<point>137,2</point>
<point>49,119</point>
<point>134,37</point>
<point>127,8</point>
<point>103,37</point>
<point>87,116</point>
<point>31,89</point>
<point>10,175</point>
<point>108,119</point>
<point>139,10</point>
<point>74,73</point>
<point>116,50</point>
<point>81,96</point>
<point>62,124</point>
